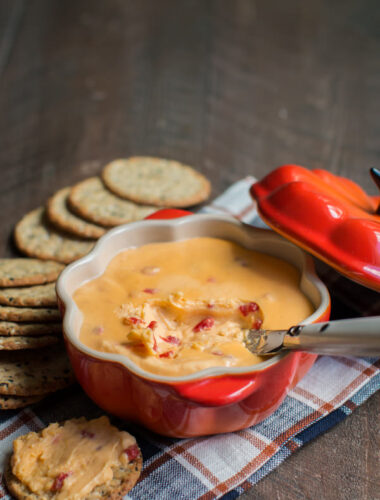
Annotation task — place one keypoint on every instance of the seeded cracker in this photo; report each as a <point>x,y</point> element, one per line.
<point>34,296</point>
<point>35,372</point>
<point>29,314</point>
<point>12,329</point>
<point>14,402</point>
<point>60,215</point>
<point>37,238</point>
<point>93,201</point>
<point>51,473</point>
<point>23,272</point>
<point>14,343</point>
<point>156,181</point>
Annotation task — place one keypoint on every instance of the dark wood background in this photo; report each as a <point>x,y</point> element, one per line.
<point>233,87</point>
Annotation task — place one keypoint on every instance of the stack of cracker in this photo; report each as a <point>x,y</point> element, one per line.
<point>32,358</point>
<point>127,190</point>
<point>33,362</point>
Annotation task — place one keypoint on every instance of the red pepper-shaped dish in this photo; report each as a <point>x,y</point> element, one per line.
<point>329,216</point>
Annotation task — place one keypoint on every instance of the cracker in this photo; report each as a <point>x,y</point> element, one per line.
<point>14,402</point>
<point>20,342</point>
<point>33,296</point>
<point>35,237</point>
<point>23,272</point>
<point>59,214</point>
<point>29,314</point>
<point>93,201</point>
<point>156,181</point>
<point>12,329</point>
<point>123,480</point>
<point>35,372</point>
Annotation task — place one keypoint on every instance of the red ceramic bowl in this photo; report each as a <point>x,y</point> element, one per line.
<point>210,401</point>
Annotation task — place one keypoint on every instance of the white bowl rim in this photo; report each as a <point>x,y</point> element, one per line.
<point>70,308</point>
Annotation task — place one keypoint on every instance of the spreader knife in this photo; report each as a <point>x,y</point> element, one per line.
<point>347,337</point>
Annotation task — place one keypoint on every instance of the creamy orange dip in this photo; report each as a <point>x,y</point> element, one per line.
<point>179,307</point>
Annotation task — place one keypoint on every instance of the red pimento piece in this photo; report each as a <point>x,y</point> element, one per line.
<point>132,451</point>
<point>210,306</point>
<point>149,290</point>
<point>87,434</point>
<point>135,321</point>
<point>58,481</point>
<point>205,324</point>
<point>152,325</point>
<point>167,354</point>
<point>171,339</point>
<point>154,344</point>
<point>257,324</point>
<point>246,309</point>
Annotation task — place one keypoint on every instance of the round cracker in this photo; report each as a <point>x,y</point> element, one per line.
<point>59,214</point>
<point>15,343</point>
<point>35,372</point>
<point>12,329</point>
<point>93,201</point>
<point>35,237</point>
<point>15,402</point>
<point>123,480</point>
<point>29,296</point>
<point>24,272</point>
<point>156,181</point>
<point>29,314</point>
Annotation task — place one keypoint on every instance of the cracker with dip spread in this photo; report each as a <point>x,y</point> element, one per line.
<point>79,459</point>
<point>29,314</point>
<point>29,296</point>
<point>35,237</point>
<point>26,271</point>
<point>156,181</point>
<point>93,201</point>
<point>60,215</point>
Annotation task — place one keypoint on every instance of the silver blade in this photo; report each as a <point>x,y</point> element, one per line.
<point>264,341</point>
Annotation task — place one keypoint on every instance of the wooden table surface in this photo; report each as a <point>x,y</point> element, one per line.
<point>233,87</point>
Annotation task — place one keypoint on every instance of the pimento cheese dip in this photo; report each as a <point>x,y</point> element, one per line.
<point>179,307</point>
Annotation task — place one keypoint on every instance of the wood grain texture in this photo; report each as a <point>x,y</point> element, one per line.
<point>231,87</point>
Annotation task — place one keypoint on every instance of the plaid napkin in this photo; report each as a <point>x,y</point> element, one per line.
<point>227,465</point>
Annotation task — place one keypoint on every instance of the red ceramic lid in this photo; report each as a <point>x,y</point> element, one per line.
<point>329,216</point>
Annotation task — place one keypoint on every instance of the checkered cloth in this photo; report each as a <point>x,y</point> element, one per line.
<point>227,465</point>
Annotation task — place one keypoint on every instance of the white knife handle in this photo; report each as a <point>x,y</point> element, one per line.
<point>346,337</point>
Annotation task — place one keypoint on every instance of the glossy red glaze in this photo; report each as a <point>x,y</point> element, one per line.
<point>329,216</point>
<point>208,405</point>
<point>168,213</point>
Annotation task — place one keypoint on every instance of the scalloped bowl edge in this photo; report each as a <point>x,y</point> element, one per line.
<point>148,231</point>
